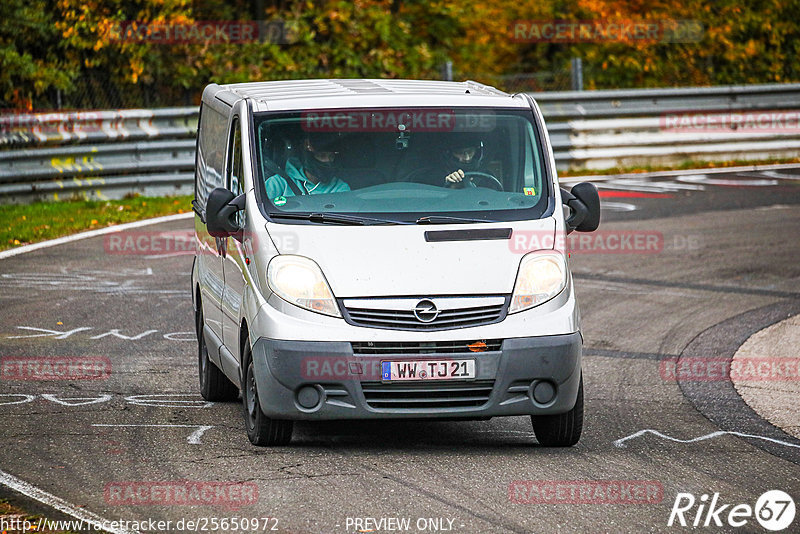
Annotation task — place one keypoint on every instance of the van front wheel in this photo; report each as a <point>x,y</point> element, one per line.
<point>561,430</point>
<point>214,385</point>
<point>261,430</point>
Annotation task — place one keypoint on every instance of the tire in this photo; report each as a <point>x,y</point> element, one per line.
<point>561,430</point>
<point>261,430</point>
<point>214,385</point>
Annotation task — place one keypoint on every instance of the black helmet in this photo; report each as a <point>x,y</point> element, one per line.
<point>463,150</point>
<point>317,144</point>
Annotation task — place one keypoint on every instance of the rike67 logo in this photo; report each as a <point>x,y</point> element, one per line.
<point>774,510</point>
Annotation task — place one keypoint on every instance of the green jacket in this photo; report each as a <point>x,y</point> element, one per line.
<point>278,187</point>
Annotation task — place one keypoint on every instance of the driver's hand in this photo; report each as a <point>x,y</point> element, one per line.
<point>454,177</point>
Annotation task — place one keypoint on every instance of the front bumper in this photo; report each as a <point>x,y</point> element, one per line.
<point>305,380</point>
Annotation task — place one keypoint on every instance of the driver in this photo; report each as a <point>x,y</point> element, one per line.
<point>463,155</point>
<point>314,172</point>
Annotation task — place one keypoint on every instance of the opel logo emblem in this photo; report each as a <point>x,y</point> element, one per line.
<point>425,311</point>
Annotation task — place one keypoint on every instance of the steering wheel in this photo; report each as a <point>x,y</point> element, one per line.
<point>496,184</point>
<point>409,176</point>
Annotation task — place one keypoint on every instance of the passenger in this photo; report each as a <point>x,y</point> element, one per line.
<point>313,173</point>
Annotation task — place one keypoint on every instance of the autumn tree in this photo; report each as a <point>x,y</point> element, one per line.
<point>32,58</point>
<point>55,48</point>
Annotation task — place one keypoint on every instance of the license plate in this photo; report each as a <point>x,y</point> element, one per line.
<point>427,370</point>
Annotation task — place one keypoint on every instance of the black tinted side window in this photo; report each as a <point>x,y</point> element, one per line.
<point>234,171</point>
<point>210,152</point>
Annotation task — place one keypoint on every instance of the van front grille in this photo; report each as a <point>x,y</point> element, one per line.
<point>471,312</point>
<point>448,394</point>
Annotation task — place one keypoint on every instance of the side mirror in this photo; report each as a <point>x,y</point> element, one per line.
<point>584,201</point>
<point>221,206</point>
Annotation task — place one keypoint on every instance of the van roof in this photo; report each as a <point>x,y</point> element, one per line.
<point>348,93</point>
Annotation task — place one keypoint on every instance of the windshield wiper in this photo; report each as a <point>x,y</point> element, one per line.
<point>443,219</point>
<point>335,218</point>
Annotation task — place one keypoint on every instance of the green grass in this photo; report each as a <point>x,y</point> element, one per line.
<point>30,223</point>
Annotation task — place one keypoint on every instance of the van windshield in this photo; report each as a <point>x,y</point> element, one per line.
<point>401,165</point>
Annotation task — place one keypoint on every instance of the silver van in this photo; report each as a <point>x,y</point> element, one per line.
<point>385,249</point>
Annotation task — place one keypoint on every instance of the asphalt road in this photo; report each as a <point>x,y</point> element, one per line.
<point>727,266</point>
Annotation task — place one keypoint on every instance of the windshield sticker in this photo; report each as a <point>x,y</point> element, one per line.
<point>529,191</point>
<point>279,201</point>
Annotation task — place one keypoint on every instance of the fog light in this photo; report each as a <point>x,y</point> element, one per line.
<point>543,392</point>
<point>308,397</point>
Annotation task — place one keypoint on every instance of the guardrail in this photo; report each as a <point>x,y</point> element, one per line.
<point>99,154</point>
<point>113,153</point>
<point>59,127</point>
<point>623,128</point>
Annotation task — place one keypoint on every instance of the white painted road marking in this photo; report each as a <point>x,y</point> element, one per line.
<point>25,398</point>
<point>764,169</point>
<point>155,400</point>
<point>620,443</point>
<point>781,175</point>
<point>703,179</point>
<point>617,206</point>
<point>115,332</point>
<point>93,233</point>
<point>20,486</point>
<point>193,439</point>
<point>25,488</point>
<point>78,281</point>
<point>47,332</point>
<point>167,400</point>
<point>77,401</point>
<point>689,179</point>
<point>648,186</point>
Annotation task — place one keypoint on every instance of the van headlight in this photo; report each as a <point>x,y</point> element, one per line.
<point>541,276</point>
<point>299,281</point>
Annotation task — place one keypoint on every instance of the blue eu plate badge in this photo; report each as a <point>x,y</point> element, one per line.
<point>386,370</point>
